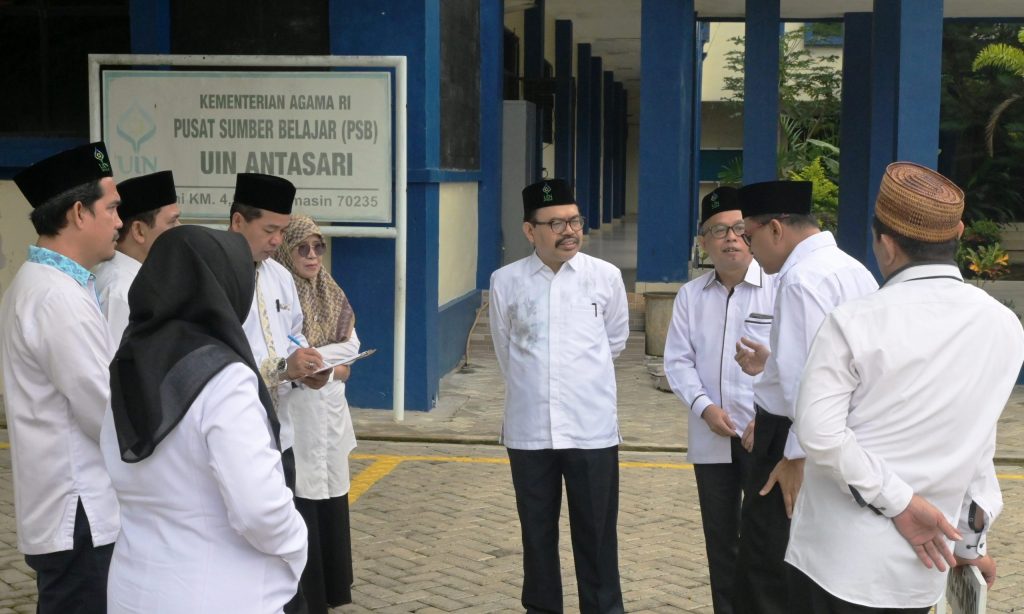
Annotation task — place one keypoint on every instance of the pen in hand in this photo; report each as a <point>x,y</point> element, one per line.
<point>294,340</point>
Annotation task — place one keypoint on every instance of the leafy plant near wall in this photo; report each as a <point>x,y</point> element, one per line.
<point>980,256</point>
<point>809,98</point>
<point>824,193</point>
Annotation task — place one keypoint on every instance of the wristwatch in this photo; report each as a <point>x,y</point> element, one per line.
<point>281,367</point>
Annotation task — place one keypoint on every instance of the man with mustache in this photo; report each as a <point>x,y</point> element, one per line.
<point>558,319</point>
<point>55,350</point>
<point>711,313</point>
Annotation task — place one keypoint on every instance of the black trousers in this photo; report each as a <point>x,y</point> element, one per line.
<point>807,596</point>
<point>721,488</point>
<point>764,527</point>
<point>327,579</point>
<point>592,487</point>
<point>73,581</point>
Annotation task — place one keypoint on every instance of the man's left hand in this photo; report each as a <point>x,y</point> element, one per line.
<point>925,529</point>
<point>317,380</point>
<point>789,474</point>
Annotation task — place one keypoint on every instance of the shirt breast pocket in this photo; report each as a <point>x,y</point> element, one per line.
<point>758,327</point>
<point>586,316</point>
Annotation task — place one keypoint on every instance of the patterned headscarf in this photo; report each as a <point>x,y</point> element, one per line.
<point>327,314</point>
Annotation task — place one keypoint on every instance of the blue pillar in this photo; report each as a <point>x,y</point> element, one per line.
<point>667,32</point>
<point>583,132</point>
<point>150,23</point>
<point>608,178</point>
<point>596,149</point>
<point>919,83</point>
<point>761,91</point>
<point>492,36</point>
<point>533,68</point>
<point>703,35</point>
<point>855,209</point>
<point>624,148</point>
<point>366,266</point>
<point>906,68</point>
<point>565,134</point>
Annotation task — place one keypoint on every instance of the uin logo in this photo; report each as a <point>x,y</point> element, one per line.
<point>136,127</point>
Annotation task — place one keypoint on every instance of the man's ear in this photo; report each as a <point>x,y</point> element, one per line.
<point>528,230</point>
<point>235,223</point>
<point>959,230</point>
<point>137,231</point>
<point>76,214</point>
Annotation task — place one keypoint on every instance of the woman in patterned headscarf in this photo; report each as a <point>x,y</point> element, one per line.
<point>323,427</point>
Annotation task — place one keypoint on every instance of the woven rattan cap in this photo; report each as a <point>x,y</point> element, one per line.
<point>919,203</point>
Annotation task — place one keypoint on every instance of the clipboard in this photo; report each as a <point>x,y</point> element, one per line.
<point>331,365</point>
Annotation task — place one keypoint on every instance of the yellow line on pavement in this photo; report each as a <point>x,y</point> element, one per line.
<point>369,476</point>
<point>4,445</point>
<point>397,458</point>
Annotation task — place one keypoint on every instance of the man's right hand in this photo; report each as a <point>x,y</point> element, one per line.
<point>751,355</point>
<point>985,564</point>
<point>718,421</point>
<point>302,363</point>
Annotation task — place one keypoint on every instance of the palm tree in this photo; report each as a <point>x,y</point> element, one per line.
<point>1005,58</point>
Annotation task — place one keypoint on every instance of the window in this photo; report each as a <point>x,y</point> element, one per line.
<point>44,48</point>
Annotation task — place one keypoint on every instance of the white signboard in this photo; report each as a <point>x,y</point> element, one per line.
<point>966,592</point>
<point>329,133</point>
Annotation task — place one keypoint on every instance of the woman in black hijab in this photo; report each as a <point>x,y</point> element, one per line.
<point>207,523</point>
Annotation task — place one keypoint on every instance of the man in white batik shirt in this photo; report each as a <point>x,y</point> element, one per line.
<point>558,320</point>
<point>149,206</point>
<point>711,313</point>
<point>55,351</point>
<point>814,277</point>
<point>897,413</point>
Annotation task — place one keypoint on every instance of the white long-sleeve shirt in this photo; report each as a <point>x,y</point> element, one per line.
<point>816,278</point>
<point>284,314</point>
<point>113,279</point>
<point>208,523</point>
<point>56,349</point>
<point>555,335</point>
<point>901,395</point>
<point>707,321</point>
<point>323,429</point>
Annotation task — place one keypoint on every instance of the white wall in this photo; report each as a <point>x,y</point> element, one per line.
<point>457,240</point>
<point>16,232</point>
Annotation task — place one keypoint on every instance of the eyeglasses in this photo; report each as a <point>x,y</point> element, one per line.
<point>318,249</point>
<point>747,237</point>
<point>720,231</point>
<point>558,225</point>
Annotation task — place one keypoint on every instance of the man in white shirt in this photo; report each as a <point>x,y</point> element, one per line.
<point>558,319</point>
<point>149,206</point>
<point>55,351</point>
<point>897,412</point>
<point>711,313</point>
<point>260,212</point>
<point>814,277</point>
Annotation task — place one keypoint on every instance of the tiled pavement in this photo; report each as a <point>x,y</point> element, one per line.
<point>433,517</point>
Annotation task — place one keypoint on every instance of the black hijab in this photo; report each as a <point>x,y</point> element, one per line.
<point>187,304</point>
